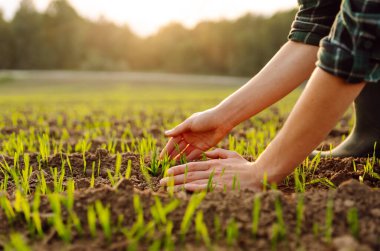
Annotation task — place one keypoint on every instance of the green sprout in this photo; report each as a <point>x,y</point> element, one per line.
<point>232,232</point>
<point>299,214</point>
<point>194,202</point>
<point>256,215</point>
<point>64,232</point>
<point>128,170</point>
<point>118,166</point>
<point>353,222</point>
<point>91,219</point>
<point>17,242</point>
<point>210,183</point>
<point>201,229</point>
<point>329,219</point>
<point>104,216</point>
<point>6,205</point>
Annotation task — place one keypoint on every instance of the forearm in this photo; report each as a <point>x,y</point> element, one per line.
<point>290,67</point>
<point>323,102</point>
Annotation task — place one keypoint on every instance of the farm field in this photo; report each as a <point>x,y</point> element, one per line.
<point>79,171</point>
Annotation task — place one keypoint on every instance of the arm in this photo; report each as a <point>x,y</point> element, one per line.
<point>291,66</point>
<point>322,103</point>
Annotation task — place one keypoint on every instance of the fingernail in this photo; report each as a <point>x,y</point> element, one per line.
<point>168,132</point>
<point>169,171</point>
<point>163,181</point>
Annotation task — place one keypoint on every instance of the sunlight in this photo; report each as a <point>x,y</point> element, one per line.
<point>146,16</point>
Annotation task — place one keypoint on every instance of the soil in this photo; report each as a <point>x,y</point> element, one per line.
<point>350,189</point>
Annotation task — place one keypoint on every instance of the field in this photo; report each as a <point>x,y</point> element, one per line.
<point>79,171</point>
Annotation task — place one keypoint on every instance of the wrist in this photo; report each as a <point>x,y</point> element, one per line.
<point>224,118</point>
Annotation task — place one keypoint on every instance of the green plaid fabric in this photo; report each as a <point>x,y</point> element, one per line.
<point>348,34</point>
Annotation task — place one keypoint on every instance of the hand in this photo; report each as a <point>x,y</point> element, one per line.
<point>195,135</point>
<point>229,169</point>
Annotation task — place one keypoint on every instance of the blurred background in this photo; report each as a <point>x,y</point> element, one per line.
<point>217,37</point>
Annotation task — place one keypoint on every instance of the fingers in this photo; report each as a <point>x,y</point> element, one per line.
<point>221,154</point>
<point>184,178</point>
<point>200,187</point>
<point>192,153</point>
<point>196,186</point>
<point>179,129</point>
<point>178,149</point>
<point>189,167</point>
<point>172,144</point>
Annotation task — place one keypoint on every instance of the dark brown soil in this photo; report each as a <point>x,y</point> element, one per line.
<point>233,205</point>
<point>345,191</point>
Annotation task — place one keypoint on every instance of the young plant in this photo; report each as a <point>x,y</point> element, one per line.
<point>353,222</point>
<point>91,219</point>
<point>25,174</point>
<point>92,181</point>
<point>63,231</point>
<point>210,182</point>
<point>154,165</point>
<point>329,219</point>
<point>118,166</point>
<point>104,216</point>
<point>169,245</point>
<point>280,229</point>
<point>299,214</point>
<point>128,170</point>
<point>17,242</point>
<point>256,215</point>
<point>6,205</point>
<point>36,213</point>
<point>194,202</point>
<point>42,182</point>
<point>232,232</point>
<point>201,229</point>
<point>21,205</point>
<point>217,228</point>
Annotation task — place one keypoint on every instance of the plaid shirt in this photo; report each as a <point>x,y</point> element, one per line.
<point>348,34</point>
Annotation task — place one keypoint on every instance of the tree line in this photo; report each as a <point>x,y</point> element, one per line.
<point>59,38</point>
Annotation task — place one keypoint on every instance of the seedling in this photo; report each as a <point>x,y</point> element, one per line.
<point>256,215</point>
<point>17,242</point>
<point>232,232</point>
<point>299,214</point>
<point>91,219</point>
<point>210,183</point>
<point>104,216</point>
<point>353,222</point>
<point>201,229</point>
<point>194,202</point>
<point>128,170</point>
<point>329,219</point>
<point>63,231</point>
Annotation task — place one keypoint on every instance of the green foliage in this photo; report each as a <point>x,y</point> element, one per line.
<point>256,215</point>
<point>353,221</point>
<point>232,232</point>
<point>60,39</point>
<point>329,217</point>
<point>91,219</point>
<point>201,229</point>
<point>194,202</point>
<point>104,216</point>
<point>17,243</point>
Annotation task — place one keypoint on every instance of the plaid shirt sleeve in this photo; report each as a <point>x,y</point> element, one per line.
<point>348,33</point>
<point>313,20</point>
<point>353,42</point>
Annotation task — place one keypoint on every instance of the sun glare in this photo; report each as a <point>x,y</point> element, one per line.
<point>146,16</point>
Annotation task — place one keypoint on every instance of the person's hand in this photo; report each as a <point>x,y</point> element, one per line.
<point>200,132</point>
<point>229,171</point>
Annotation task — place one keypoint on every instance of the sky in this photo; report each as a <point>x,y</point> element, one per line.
<point>146,16</point>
